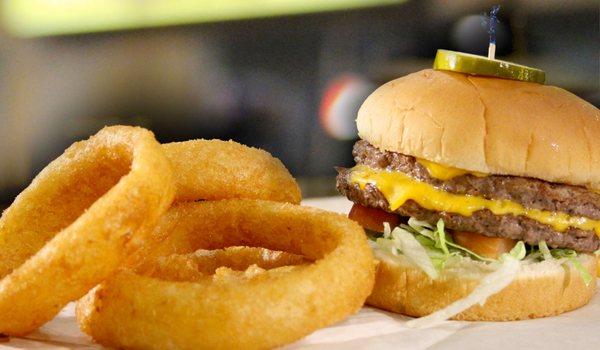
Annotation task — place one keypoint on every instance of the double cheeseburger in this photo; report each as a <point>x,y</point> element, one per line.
<point>478,171</point>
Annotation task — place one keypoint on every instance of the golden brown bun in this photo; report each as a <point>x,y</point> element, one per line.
<point>540,290</point>
<point>488,125</point>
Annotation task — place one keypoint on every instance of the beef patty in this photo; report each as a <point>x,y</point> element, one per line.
<point>529,192</point>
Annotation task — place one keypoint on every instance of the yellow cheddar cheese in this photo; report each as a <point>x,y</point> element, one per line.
<point>443,172</point>
<point>398,188</point>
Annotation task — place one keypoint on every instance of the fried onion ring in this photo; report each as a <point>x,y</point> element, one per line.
<point>215,169</point>
<point>67,230</point>
<point>141,308</point>
<point>195,266</point>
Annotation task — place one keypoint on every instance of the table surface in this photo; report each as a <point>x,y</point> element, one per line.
<point>376,329</point>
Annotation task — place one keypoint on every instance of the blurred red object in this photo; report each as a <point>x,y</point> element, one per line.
<point>340,103</point>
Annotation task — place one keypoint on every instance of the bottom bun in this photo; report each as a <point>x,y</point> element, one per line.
<point>541,289</point>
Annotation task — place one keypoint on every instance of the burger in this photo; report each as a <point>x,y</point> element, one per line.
<point>480,196</point>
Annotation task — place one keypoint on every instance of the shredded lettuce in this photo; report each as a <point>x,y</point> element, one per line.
<point>430,248</point>
<point>546,254</point>
<point>489,285</point>
<point>517,252</point>
<point>443,239</point>
<point>404,242</point>
<point>436,243</point>
<point>571,255</point>
<point>439,247</point>
<point>562,255</point>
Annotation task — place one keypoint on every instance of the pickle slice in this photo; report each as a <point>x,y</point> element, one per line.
<point>479,65</point>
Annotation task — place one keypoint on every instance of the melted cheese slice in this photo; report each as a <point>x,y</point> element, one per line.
<point>398,188</point>
<point>443,172</point>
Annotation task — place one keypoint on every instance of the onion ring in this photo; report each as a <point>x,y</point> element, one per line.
<point>257,309</point>
<point>215,169</point>
<point>68,229</point>
<point>195,266</point>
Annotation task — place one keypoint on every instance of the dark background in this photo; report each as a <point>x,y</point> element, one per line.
<point>262,82</point>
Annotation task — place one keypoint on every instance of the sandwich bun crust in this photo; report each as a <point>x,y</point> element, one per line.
<point>540,290</point>
<point>489,125</point>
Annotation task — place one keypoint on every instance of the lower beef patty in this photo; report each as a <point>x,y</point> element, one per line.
<point>483,221</point>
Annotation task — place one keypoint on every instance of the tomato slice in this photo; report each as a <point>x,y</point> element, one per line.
<point>372,218</point>
<point>488,247</point>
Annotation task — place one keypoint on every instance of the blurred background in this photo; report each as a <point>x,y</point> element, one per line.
<point>284,75</point>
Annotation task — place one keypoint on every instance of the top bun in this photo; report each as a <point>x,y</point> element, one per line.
<point>488,125</point>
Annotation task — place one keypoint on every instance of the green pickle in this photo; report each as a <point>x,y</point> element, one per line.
<point>479,65</point>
